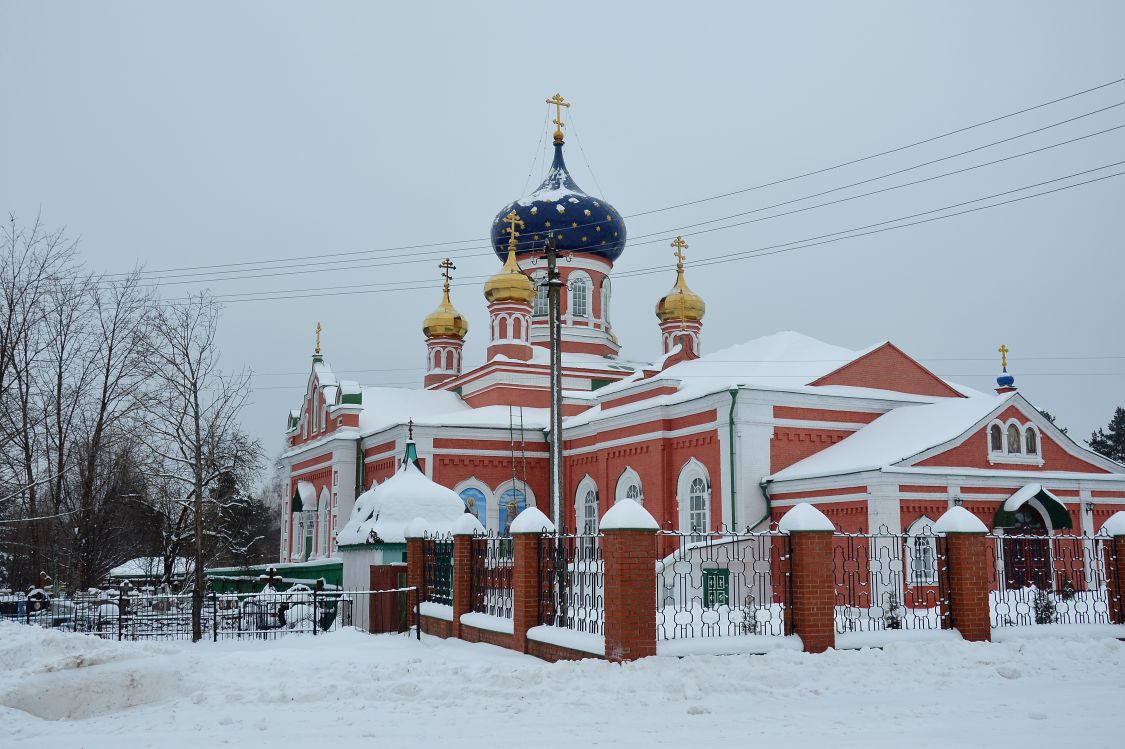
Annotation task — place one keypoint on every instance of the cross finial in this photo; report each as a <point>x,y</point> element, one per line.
<point>410,429</point>
<point>1004,356</point>
<point>559,103</point>
<point>446,266</point>
<point>512,220</point>
<point>680,246</point>
<point>317,350</point>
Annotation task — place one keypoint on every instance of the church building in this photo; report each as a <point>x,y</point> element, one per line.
<point>705,440</point>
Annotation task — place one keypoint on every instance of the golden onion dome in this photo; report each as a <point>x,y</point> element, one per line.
<point>510,284</point>
<point>445,320</point>
<point>681,303</point>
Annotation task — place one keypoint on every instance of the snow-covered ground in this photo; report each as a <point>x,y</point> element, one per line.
<point>70,690</point>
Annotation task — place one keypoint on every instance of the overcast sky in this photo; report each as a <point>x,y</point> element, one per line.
<point>216,133</point>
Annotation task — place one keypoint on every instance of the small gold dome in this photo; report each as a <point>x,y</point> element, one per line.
<point>681,303</point>
<point>445,320</point>
<point>510,284</point>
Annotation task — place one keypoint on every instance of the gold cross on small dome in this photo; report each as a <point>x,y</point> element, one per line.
<point>317,350</point>
<point>446,266</point>
<point>680,246</point>
<point>1004,356</point>
<point>559,103</point>
<point>512,219</point>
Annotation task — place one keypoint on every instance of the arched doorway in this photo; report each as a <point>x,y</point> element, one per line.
<point>1027,551</point>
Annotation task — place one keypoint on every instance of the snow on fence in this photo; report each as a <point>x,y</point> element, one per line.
<point>490,577</point>
<point>890,581</point>
<point>722,584</point>
<point>437,568</point>
<point>572,582</point>
<point>1056,579</point>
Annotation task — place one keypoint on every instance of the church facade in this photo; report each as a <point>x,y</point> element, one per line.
<point>704,440</point>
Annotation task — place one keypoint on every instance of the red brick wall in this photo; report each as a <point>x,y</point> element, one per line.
<point>824,414</point>
<point>437,627</point>
<point>555,653</point>
<point>476,634</point>
<point>888,368</point>
<point>971,566</point>
<point>630,600</point>
<point>814,603</point>
<point>791,445</point>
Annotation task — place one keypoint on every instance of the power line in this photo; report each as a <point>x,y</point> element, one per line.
<point>680,205</point>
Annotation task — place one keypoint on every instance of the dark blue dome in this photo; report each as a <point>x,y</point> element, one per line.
<point>559,208</point>
<point>1005,380</point>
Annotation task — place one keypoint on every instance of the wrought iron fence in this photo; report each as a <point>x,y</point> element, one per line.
<point>491,576</point>
<point>437,568</point>
<point>723,585</point>
<point>888,581</point>
<point>266,615</point>
<point>1057,579</point>
<point>571,582</point>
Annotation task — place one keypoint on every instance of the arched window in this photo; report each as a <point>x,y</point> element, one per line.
<point>517,329</point>
<point>693,495</point>
<point>579,295</point>
<point>697,509</point>
<point>590,513</point>
<point>512,503</point>
<point>1013,439</point>
<point>629,487</point>
<point>539,309</point>
<point>921,552</point>
<point>996,438</point>
<point>323,531</point>
<point>502,333</point>
<point>605,301</point>
<point>476,503</point>
<point>1031,442</point>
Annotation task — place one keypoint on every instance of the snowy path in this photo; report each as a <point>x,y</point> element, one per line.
<point>63,690</point>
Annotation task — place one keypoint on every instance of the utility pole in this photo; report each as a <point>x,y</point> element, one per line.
<point>554,313</point>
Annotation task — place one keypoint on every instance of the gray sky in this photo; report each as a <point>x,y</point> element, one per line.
<point>221,133</point>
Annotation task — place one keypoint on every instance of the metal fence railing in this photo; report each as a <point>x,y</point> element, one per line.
<point>889,581</point>
<point>491,576</point>
<point>1056,579</point>
<point>572,582</point>
<point>437,569</point>
<point>723,584</point>
<point>265,615</point>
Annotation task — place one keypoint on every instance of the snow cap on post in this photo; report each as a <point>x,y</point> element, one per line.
<point>467,525</point>
<point>628,515</point>
<point>1115,526</point>
<point>805,517</point>
<point>417,528</point>
<point>532,520</point>
<point>959,520</point>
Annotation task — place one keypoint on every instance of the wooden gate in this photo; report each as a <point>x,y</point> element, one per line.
<point>388,611</point>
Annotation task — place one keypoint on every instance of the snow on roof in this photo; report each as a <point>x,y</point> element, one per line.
<point>959,520</point>
<point>390,507</point>
<point>1115,526</point>
<point>895,436</point>
<point>149,567</point>
<point>532,520</point>
<point>324,374</point>
<point>804,517</point>
<point>628,514</point>
<point>387,406</point>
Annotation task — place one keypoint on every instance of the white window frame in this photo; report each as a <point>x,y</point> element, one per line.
<point>1022,457</point>
<point>580,280</point>
<point>629,486</point>
<point>693,471</point>
<point>539,304</point>
<point>919,535</point>
<point>586,523</point>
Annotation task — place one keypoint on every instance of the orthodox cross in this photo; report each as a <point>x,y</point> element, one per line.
<point>446,266</point>
<point>317,351</point>
<point>559,103</point>
<point>410,430</point>
<point>511,220</point>
<point>680,246</point>
<point>1004,356</point>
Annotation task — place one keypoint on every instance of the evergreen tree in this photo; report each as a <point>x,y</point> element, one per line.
<point>1111,443</point>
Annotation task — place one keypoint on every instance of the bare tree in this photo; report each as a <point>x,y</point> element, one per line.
<point>193,409</point>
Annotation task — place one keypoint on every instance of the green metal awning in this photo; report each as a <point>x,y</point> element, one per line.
<point>1056,510</point>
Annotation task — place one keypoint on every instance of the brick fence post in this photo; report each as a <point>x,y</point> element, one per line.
<point>415,565</point>
<point>528,527</point>
<point>1114,527</point>
<point>969,554</point>
<point>810,568</point>
<point>629,560</point>
<point>464,529</point>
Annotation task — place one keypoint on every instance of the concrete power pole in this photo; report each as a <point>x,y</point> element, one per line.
<point>554,312</point>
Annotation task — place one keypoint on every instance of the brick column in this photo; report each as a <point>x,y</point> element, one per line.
<point>525,586</point>
<point>629,558</point>
<point>970,555</point>
<point>415,573</point>
<point>814,595</point>
<point>462,578</point>
<point>1115,574</point>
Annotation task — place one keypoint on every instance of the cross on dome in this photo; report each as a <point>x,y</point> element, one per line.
<point>1004,356</point>
<point>559,103</point>
<point>317,349</point>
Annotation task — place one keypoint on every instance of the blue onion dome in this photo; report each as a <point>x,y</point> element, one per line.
<point>1005,380</point>
<point>559,208</point>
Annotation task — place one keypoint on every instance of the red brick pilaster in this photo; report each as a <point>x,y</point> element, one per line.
<point>629,557</point>
<point>1115,571</point>
<point>462,578</point>
<point>814,598</point>
<point>525,586</point>
<point>415,574</point>
<point>970,556</point>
